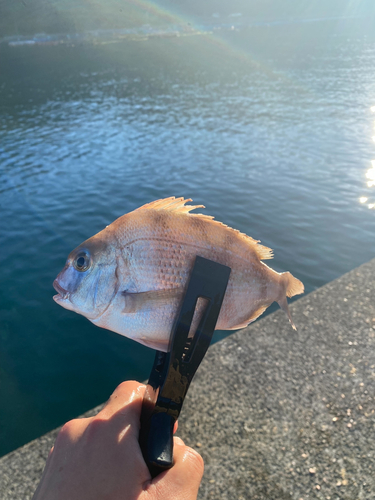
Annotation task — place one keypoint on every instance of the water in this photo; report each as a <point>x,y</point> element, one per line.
<point>269,127</point>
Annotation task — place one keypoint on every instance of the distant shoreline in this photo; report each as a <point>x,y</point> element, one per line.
<point>145,32</point>
<point>99,37</point>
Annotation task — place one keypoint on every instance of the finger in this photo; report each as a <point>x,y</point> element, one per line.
<point>175,427</point>
<point>178,440</point>
<point>184,478</point>
<point>72,431</point>
<point>122,414</point>
<point>125,394</point>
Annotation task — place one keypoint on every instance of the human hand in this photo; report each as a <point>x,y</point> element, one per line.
<point>99,458</point>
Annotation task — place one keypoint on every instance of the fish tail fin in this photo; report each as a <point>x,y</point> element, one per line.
<point>283,303</point>
<point>291,286</point>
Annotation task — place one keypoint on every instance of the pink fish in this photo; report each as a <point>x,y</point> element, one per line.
<point>130,278</point>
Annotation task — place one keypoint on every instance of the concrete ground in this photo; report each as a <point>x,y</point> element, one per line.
<point>276,414</point>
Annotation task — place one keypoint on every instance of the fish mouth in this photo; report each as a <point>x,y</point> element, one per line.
<point>62,293</point>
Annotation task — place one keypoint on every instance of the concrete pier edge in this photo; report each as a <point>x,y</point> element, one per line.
<point>276,414</point>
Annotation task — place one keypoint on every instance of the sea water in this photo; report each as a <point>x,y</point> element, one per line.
<point>269,127</point>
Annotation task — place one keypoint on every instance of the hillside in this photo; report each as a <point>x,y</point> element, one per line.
<point>27,17</point>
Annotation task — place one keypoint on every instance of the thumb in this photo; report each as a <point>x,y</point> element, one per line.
<point>182,481</point>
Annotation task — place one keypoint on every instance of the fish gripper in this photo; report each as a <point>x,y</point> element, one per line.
<point>173,371</point>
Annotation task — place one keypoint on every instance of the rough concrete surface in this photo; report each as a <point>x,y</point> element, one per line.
<point>276,414</point>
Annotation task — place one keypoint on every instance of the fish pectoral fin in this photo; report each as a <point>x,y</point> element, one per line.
<point>135,302</point>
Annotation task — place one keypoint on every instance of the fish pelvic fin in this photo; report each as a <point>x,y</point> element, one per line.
<point>154,344</point>
<point>178,205</point>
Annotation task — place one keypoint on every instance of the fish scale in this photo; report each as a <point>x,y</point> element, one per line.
<point>130,277</point>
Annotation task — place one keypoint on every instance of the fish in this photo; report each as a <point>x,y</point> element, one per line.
<point>131,276</point>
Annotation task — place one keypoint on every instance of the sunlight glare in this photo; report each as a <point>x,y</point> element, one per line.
<point>370,175</point>
<point>363,199</point>
<point>373,109</point>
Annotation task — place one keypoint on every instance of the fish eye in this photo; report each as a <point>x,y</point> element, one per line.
<point>82,261</point>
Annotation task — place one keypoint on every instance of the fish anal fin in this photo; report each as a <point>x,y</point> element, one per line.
<point>135,302</point>
<point>252,318</point>
<point>258,313</point>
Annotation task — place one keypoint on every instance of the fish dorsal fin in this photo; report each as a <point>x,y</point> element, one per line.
<point>178,205</point>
